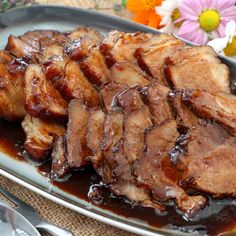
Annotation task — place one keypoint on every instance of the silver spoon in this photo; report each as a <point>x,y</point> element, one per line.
<point>33,217</point>
<point>14,224</point>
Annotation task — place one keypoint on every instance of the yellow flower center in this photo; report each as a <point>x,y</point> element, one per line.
<point>175,16</point>
<point>150,4</point>
<point>230,49</point>
<point>209,20</point>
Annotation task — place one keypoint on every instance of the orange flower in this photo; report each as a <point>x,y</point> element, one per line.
<point>144,11</point>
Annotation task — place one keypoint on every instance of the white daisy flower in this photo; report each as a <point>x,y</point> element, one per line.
<point>171,18</point>
<point>227,45</point>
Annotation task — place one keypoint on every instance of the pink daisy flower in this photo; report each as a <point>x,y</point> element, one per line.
<point>205,19</point>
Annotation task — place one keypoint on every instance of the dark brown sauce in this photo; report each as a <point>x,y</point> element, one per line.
<point>217,217</point>
<point>11,139</point>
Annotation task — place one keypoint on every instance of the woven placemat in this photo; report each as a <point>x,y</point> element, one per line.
<point>106,6</point>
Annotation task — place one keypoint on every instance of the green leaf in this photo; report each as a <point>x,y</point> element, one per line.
<point>5,5</point>
<point>97,7</point>
<point>124,3</point>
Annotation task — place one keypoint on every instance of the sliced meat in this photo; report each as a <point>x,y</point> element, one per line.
<point>84,31</point>
<point>151,57</point>
<point>79,48</point>
<point>57,38</point>
<point>112,133</point>
<point>124,181</point>
<point>18,48</point>
<point>53,51</point>
<point>128,74</point>
<point>33,42</point>
<point>41,97</point>
<point>5,57</point>
<point>77,149</point>
<point>157,101</point>
<point>135,125</point>
<point>95,129</point>
<point>39,136</point>
<point>109,95</point>
<point>197,68</point>
<point>109,41</point>
<point>67,76</point>
<point>201,139</point>
<point>214,174</point>
<point>94,67</point>
<point>130,100</point>
<point>33,38</point>
<point>209,161</point>
<point>60,166</point>
<point>220,107</point>
<point>11,95</point>
<point>115,168</point>
<point>155,171</point>
<point>74,84</point>
<point>95,135</point>
<point>122,49</point>
<point>17,66</point>
<point>184,115</point>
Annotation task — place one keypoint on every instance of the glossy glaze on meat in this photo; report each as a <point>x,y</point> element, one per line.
<point>132,105</point>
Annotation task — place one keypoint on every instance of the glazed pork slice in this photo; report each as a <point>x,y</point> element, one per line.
<point>74,84</point>
<point>79,32</point>
<point>67,77</point>
<point>39,136</point>
<point>220,106</point>
<point>109,41</point>
<point>5,57</point>
<point>19,48</point>
<point>37,41</point>
<point>127,151</point>
<point>76,142</point>
<point>82,39</point>
<point>109,95</point>
<point>130,100</point>
<point>41,97</point>
<point>129,74</point>
<point>72,150</point>
<point>78,49</point>
<point>155,171</point>
<point>53,51</point>
<point>95,135</point>
<point>107,44</point>
<point>112,133</point>
<point>209,161</point>
<point>115,168</point>
<point>11,95</point>
<point>151,57</point>
<point>60,166</point>
<point>185,117</point>
<point>120,47</point>
<point>30,42</point>
<point>135,125</point>
<point>94,67</point>
<point>157,101</point>
<point>197,68</point>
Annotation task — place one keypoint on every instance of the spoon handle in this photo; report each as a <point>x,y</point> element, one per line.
<point>53,229</point>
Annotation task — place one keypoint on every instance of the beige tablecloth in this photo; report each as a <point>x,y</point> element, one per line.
<point>50,211</point>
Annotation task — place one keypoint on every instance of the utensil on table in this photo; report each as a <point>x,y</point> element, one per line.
<point>33,217</point>
<point>13,223</point>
